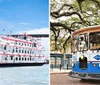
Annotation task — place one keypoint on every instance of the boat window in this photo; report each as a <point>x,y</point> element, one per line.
<point>28,51</point>
<point>34,45</point>
<point>94,39</point>
<point>11,57</point>
<point>33,52</point>
<point>19,58</point>
<point>22,51</point>
<point>5,47</point>
<point>13,51</point>
<point>16,58</point>
<point>22,58</point>
<point>9,49</point>
<point>25,51</point>
<point>11,42</point>
<point>25,58</point>
<point>15,42</point>
<point>16,49</point>
<point>19,50</point>
<point>30,58</point>
<point>5,58</point>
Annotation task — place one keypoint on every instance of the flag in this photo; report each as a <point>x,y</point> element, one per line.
<point>3,30</point>
<point>10,31</point>
<point>24,33</point>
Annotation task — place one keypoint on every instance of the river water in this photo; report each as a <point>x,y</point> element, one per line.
<point>33,75</point>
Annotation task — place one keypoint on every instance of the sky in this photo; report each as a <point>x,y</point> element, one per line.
<point>20,16</point>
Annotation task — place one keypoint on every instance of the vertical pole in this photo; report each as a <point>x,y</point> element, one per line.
<point>60,67</point>
<point>52,66</point>
<point>11,33</point>
<point>67,66</point>
<point>64,55</point>
<point>3,32</point>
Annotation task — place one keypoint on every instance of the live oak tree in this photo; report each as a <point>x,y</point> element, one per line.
<point>66,16</point>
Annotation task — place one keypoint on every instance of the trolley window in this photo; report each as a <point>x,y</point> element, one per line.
<point>94,39</point>
<point>80,43</point>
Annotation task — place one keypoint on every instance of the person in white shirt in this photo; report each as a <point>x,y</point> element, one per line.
<point>82,43</point>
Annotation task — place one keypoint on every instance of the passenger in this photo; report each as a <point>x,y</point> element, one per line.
<point>82,43</point>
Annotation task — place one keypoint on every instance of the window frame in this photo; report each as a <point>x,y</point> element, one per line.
<point>89,41</point>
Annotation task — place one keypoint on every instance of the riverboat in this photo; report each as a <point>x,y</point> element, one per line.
<point>20,50</point>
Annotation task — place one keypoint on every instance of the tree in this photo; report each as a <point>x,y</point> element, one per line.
<point>66,16</point>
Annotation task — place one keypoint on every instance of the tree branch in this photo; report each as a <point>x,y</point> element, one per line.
<point>64,45</point>
<point>67,14</point>
<point>57,24</point>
